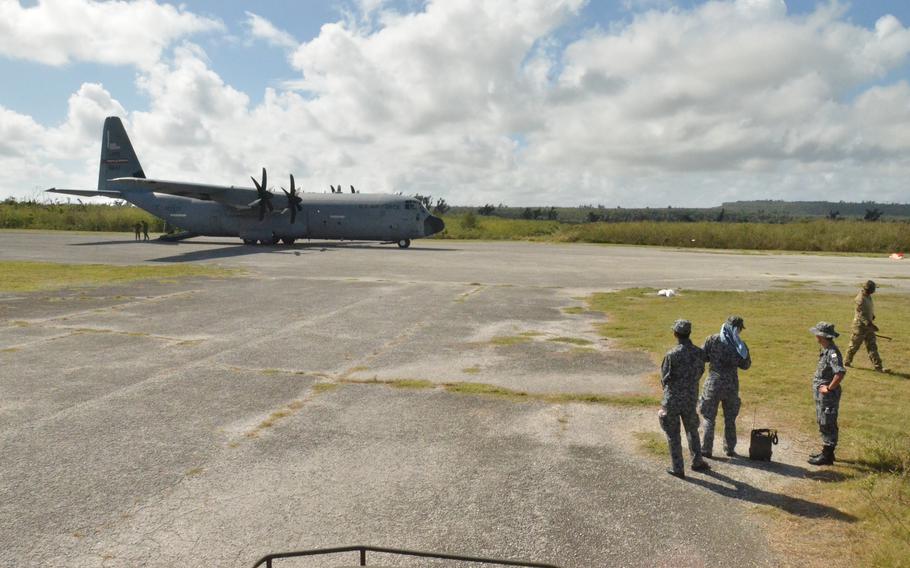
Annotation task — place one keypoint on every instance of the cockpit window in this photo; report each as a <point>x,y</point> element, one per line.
<point>410,205</point>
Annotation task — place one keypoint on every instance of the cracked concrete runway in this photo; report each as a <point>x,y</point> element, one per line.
<point>208,422</point>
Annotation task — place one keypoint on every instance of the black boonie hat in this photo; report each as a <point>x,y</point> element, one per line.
<point>682,327</point>
<point>824,329</point>
<point>869,286</point>
<point>736,321</point>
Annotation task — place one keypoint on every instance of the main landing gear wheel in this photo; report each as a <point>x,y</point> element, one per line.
<point>268,242</point>
<point>288,241</point>
<point>404,243</point>
<point>249,241</point>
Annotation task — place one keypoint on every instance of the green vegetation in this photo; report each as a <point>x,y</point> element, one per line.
<point>875,426</point>
<point>496,228</point>
<point>652,443</point>
<point>812,236</point>
<point>504,340</point>
<point>571,340</point>
<point>25,276</point>
<point>411,384</point>
<point>71,217</point>
<point>553,398</point>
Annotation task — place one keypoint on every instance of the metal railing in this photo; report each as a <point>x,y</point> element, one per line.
<point>362,550</point>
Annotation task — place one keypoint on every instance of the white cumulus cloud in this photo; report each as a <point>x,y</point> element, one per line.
<point>261,28</point>
<point>481,101</point>
<point>56,32</point>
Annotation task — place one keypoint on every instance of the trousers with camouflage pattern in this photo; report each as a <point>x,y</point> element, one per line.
<point>860,336</point>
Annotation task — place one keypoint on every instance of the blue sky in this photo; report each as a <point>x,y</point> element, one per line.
<point>807,124</point>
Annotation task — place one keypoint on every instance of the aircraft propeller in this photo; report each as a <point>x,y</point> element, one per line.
<point>265,196</point>
<point>294,200</point>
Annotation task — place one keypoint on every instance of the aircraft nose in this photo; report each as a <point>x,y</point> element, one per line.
<point>433,225</point>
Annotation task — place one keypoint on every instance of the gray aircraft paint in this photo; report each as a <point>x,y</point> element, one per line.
<point>221,211</point>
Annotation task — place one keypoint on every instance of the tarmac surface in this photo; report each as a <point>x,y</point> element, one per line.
<point>209,422</point>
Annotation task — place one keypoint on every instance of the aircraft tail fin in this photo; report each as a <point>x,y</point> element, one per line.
<point>117,156</point>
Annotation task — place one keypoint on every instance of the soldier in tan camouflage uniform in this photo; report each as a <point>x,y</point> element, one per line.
<point>680,372</point>
<point>864,328</point>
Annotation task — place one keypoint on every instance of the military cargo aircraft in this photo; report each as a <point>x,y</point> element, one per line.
<point>255,214</point>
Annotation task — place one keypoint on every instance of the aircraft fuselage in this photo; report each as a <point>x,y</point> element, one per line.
<point>374,217</point>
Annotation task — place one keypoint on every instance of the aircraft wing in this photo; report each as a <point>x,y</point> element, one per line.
<point>236,197</point>
<point>86,192</point>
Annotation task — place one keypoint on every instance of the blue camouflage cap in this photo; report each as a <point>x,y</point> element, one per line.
<point>824,329</point>
<point>682,327</point>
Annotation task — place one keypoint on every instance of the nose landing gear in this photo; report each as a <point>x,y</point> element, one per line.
<point>404,243</point>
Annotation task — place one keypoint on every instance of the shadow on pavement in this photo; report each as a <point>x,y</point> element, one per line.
<point>784,469</point>
<point>121,242</point>
<point>232,251</point>
<point>323,245</point>
<point>729,487</point>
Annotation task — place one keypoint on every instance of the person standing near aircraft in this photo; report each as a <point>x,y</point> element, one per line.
<point>864,328</point>
<point>145,230</point>
<point>137,231</point>
<point>829,374</point>
<point>680,372</point>
<point>726,354</point>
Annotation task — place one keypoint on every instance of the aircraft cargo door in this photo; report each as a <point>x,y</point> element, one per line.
<point>328,222</point>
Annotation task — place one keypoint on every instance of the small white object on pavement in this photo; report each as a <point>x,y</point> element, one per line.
<point>897,256</point>
<point>669,293</point>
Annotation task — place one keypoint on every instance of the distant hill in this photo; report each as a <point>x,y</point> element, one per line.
<point>819,208</point>
<point>767,211</point>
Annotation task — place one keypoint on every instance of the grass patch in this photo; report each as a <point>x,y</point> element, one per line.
<point>471,370</point>
<point>530,334</point>
<point>875,444</point>
<point>26,276</point>
<point>485,389</point>
<point>411,384</point>
<point>553,398</point>
<point>505,340</point>
<point>652,443</point>
<point>570,340</point>
<point>324,387</point>
<point>573,310</point>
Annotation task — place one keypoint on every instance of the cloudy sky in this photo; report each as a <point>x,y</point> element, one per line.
<point>526,102</point>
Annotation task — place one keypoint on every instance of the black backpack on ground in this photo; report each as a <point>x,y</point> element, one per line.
<point>762,440</point>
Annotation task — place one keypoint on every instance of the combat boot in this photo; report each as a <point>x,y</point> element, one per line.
<point>701,465</point>
<point>675,473</point>
<point>826,457</point>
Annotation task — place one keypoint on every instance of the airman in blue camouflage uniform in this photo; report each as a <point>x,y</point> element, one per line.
<point>726,354</point>
<point>827,391</point>
<point>680,372</point>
